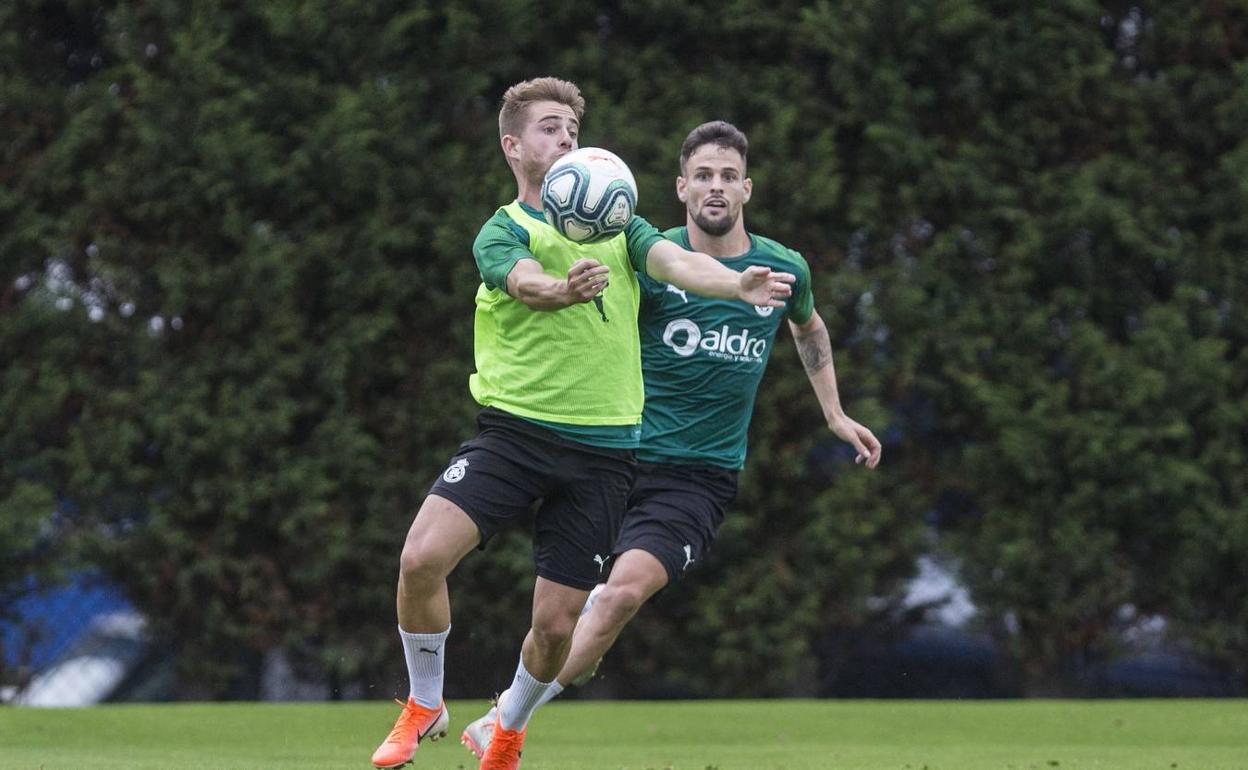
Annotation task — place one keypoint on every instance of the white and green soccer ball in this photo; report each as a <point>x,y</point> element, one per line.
<point>589,195</point>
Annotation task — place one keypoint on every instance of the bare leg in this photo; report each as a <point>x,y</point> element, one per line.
<point>636,577</point>
<point>556,608</point>
<point>440,536</point>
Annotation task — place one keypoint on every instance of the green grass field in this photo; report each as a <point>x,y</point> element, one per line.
<point>703,735</point>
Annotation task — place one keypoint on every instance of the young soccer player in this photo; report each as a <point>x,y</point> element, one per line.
<point>560,386</point>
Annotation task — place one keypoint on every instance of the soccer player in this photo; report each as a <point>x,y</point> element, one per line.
<point>560,384</point>
<point>702,360</point>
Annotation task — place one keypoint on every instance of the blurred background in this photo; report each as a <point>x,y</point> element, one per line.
<point>236,295</point>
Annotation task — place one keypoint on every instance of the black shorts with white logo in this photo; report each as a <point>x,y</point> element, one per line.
<point>674,512</point>
<point>511,463</point>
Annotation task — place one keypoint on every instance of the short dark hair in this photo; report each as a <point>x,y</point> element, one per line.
<point>717,132</point>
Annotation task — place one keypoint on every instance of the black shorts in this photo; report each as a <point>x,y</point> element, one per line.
<point>511,463</point>
<point>674,512</point>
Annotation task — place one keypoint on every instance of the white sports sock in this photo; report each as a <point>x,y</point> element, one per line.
<point>523,698</point>
<point>426,659</point>
<point>551,693</point>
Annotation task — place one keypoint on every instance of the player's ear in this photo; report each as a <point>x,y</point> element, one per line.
<point>680,189</point>
<point>748,185</point>
<point>511,146</point>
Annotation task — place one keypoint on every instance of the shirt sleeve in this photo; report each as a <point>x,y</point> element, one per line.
<point>498,247</point>
<point>641,238</point>
<point>801,305</point>
<point>651,291</point>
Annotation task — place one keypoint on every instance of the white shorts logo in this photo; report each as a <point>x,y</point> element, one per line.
<point>456,472</point>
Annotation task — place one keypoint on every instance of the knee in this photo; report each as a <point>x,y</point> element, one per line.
<point>551,629</point>
<point>419,569</point>
<point>619,603</point>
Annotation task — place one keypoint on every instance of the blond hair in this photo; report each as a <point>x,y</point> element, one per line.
<point>516,102</point>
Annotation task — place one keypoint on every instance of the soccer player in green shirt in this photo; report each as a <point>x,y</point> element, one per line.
<point>559,380</point>
<point>702,360</point>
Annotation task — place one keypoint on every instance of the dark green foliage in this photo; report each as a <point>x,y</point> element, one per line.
<point>236,299</point>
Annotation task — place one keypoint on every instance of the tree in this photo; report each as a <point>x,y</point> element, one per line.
<point>236,315</point>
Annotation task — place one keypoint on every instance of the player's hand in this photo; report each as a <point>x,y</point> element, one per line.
<point>586,280</point>
<point>864,441</point>
<point>764,287</point>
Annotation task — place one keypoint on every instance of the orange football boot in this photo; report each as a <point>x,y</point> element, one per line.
<point>415,724</point>
<point>503,752</point>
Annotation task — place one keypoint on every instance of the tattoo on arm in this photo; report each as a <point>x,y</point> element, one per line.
<point>815,349</point>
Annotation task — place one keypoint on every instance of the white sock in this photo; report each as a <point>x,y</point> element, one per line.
<point>551,693</point>
<point>523,698</point>
<point>426,659</point>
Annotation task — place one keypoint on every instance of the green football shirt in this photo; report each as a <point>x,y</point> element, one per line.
<point>704,358</point>
<point>576,370</point>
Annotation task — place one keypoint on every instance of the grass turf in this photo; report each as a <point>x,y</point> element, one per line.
<point>701,735</point>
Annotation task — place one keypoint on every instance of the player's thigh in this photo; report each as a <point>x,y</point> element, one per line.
<point>441,535</point>
<point>493,481</point>
<point>675,514</point>
<point>577,524</point>
<point>639,574</point>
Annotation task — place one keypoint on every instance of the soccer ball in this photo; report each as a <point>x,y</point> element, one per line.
<point>589,195</point>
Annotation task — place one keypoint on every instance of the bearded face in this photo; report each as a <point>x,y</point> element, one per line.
<point>714,188</point>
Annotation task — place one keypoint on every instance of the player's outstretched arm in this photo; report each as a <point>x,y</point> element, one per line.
<point>527,283</point>
<point>707,276</point>
<point>815,349</point>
